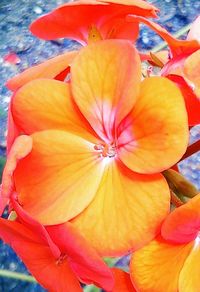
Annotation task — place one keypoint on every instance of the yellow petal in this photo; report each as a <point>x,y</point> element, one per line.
<point>126,212</point>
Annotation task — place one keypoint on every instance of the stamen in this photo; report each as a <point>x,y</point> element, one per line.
<point>106,150</point>
<point>61,259</point>
<point>94,34</point>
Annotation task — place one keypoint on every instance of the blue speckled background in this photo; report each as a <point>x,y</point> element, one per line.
<point>15,17</point>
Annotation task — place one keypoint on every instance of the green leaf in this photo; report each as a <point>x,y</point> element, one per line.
<point>91,288</point>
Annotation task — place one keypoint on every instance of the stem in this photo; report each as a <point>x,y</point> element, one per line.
<point>17,276</point>
<point>179,184</point>
<point>179,33</point>
<point>175,199</point>
<point>192,149</point>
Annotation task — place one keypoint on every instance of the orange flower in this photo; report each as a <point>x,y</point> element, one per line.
<point>57,256</point>
<point>171,262</point>
<point>92,19</point>
<point>183,65</point>
<point>99,142</point>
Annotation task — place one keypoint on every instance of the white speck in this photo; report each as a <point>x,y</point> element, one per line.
<point>37,10</point>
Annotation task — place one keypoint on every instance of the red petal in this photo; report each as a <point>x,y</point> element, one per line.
<point>85,261</point>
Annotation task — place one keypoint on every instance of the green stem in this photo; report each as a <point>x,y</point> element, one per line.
<point>17,276</point>
<point>179,33</point>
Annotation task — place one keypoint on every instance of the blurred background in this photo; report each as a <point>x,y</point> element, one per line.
<point>20,50</point>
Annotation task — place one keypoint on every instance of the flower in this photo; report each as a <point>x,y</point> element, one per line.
<point>171,261</point>
<point>91,19</point>
<point>183,64</point>
<point>57,256</point>
<point>98,145</point>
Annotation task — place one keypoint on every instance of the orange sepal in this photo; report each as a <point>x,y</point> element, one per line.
<point>156,125</point>
<point>156,267</point>
<point>104,75</point>
<point>59,178</point>
<point>183,224</point>
<point>122,281</point>
<point>48,69</point>
<point>126,206</point>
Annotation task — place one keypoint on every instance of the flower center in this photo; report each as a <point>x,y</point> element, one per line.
<point>106,150</point>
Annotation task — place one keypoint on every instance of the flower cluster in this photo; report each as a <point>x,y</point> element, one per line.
<point>90,146</point>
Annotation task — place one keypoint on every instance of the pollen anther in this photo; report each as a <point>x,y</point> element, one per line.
<point>106,150</point>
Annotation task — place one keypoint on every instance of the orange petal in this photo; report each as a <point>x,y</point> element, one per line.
<point>59,178</point>
<point>21,148</point>
<point>183,224</point>
<point>156,267</point>
<point>156,126</point>
<point>46,104</point>
<point>126,207</point>
<point>38,258</point>
<point>122,281</point>
<point>189,276</point>
<point>73,20</point>
<point>194,33</point>
<point>48,69</point>
<point>177,46</point>
<point>105,83</point>
<point>191,70</point>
